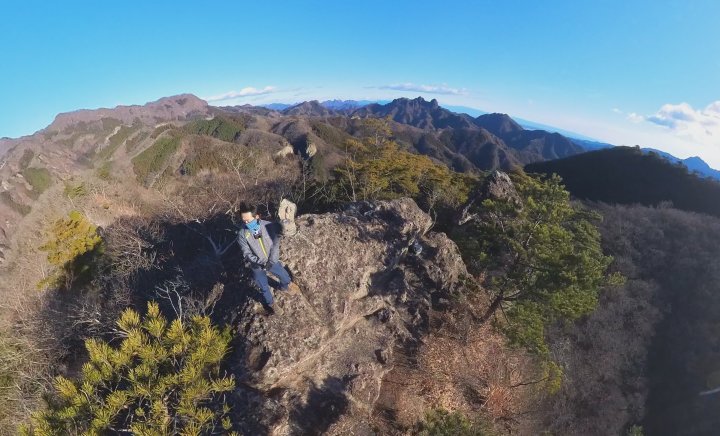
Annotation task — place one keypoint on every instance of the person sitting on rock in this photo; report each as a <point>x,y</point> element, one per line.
<point>260,244</point>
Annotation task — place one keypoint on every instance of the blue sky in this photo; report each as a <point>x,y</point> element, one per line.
<point>627,72</point>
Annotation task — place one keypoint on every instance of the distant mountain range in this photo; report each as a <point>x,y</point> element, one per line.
<point>474,138</point>
<point>336,105</point>
<point>168,134</point>
<point>463,142</point>
<point>630,175</point>
<point>694,163</point>
<point>488,141</point>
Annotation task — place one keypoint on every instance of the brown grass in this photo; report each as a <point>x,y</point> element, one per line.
<point>462,366</point>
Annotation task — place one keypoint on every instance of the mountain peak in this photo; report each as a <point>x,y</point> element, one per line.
<point>177,107</point>
<point>418,112</point>
<point>498,124</point>
<point>417,100</point>
<point>309,108</point>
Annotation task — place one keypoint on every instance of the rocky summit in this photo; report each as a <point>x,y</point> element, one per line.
<point>368,278</point>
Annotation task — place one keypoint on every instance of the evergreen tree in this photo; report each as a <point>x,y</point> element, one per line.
<point>377,168</point>
<point>443,423</point>
<point>541,258</point>
<point>163,378</point>
<point>72,244</point>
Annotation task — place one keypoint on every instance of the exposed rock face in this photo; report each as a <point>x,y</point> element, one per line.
<point>368,276</point>
<point>497,186</point>
<point>311,149</point>
<point>417,112</point>
<point>3,244</point>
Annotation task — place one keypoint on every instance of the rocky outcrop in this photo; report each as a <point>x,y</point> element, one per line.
<point>4,248</point>
<point>418,113</point>
<point>368,277</point>
<point>497,186</point>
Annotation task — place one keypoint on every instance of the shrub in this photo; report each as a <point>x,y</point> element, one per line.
<point>22,371</point>
<point>160,129</point>
<point>39,179</point>
<point>330,134</point>
<point>377,168</point>
<point>161,378</point>
<point>6,199</point>
<point>443,423</point>
<point>635,430</point>
<point>115,141</point>
<point>74,191</point>
<point>109,124</point>
<point>105,171</point>
<point>151,160</point>
<point>72,246</point>
<point>132,143</point>
<point>221,128</point>
<point>204,155</point>
<point>26,158</point>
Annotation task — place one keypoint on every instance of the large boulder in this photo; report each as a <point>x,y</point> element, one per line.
<point>497,186</point>
<point>368,277</point>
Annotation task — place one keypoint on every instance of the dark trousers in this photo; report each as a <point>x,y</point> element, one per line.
<point>261,278</point>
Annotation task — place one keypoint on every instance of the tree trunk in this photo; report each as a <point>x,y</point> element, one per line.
<point>491,310</point>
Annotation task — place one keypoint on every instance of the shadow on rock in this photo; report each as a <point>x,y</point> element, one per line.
<point>325,404</point>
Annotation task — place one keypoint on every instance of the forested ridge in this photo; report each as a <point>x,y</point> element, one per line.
<point>436,298</point>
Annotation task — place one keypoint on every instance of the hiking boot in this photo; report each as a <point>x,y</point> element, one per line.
<point>276,310</point>
<point>293,289</point>
<point>268,310</point>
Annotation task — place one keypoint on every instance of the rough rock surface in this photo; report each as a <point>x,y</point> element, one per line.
<point>368,276</point>
<point>497,186</point>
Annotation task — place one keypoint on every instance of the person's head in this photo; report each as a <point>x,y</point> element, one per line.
<point>247,213</point>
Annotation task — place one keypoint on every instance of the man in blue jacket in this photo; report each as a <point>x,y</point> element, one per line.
<point>260,244</point>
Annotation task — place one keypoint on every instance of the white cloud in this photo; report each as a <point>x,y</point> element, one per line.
<point>713,108</point>
<point>245,92</point>
<point>635,118</point>
<point>701,125</point>
<point>429,89</point>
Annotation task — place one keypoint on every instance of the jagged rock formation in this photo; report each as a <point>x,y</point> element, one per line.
<point>368,277</point>
<point>497,186</point>
<point>417,112</point>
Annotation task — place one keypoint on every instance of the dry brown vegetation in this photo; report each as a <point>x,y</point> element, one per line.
<point>462,366</point>
<point>171,240</point>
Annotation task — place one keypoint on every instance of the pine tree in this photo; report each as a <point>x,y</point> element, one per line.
<point>377,168</point>
<point>443,423</point>
<point>542,258</point>
<point>71,245</point>
<point>162,378</point>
